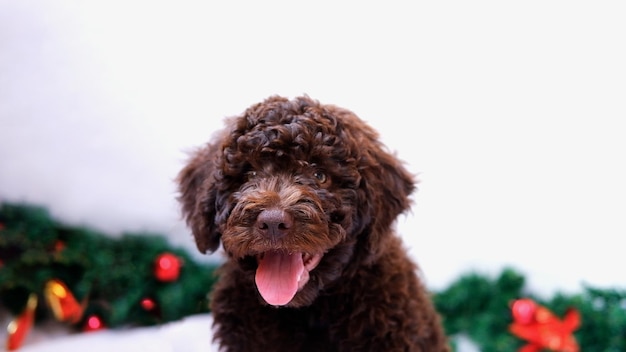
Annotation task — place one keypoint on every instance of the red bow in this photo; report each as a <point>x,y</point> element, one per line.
<point>542,329</point>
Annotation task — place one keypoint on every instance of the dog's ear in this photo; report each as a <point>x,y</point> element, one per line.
<point>391,184</point>
<point>197,195</point>
<point>386,189</point>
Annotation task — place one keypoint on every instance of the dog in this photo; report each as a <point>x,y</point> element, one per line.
<point>303,198</point>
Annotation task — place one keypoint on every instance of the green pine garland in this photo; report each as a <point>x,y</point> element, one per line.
<point>112,274</point>
<point>479,307</point>
<point>115,274</point>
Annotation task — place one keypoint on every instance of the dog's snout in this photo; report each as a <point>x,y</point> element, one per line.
<point>274,223</point>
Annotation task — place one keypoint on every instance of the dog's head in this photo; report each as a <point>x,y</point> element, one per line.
<point>296,191</point>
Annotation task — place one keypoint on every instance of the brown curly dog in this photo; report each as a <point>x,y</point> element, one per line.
<point>303,197</point>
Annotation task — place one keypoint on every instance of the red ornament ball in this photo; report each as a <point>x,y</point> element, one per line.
<point>167,267</point>
<point>523,310</point>
<point>93,323</point>
<point>148,304</point>
<point>59,246</point>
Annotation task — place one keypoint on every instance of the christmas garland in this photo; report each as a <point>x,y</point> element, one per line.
<point>498,314</point>
<point>83,278</point>
<point>92,281</point>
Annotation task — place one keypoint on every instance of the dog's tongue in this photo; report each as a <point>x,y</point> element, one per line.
<point>277,276</point>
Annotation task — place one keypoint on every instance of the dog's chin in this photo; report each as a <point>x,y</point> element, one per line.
<point>282,278</point>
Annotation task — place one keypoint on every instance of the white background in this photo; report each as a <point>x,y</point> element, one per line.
<point>512,114</point>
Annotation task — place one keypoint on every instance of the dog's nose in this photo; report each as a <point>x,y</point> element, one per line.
<point>274,223</point>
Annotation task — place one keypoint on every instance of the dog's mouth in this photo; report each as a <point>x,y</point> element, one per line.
<point>280,274</point>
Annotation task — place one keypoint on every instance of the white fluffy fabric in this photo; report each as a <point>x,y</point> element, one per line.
<point>191,334</point>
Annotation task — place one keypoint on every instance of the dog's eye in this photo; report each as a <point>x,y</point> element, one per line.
<point>320,176</point>
<point>251,174</point>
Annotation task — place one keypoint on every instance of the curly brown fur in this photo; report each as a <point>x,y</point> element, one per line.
<point>304,196</point>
